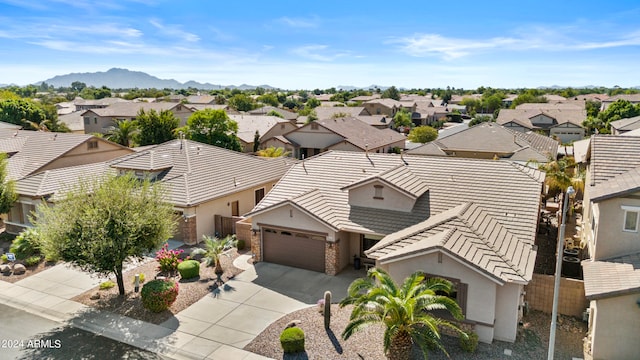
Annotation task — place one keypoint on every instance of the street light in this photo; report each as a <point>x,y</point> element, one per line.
<point>556,286</point>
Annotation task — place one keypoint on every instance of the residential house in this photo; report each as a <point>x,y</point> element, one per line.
<point>467,220</point>
<point>323,97</point>
<point>74,121</point>
<point>563,123</point>
<point>492,141</point>
<point>347,133</point>
<point>323,113</point>
<point>287,115</point>
<point>34,152</point>
<point>622,126</point>
<point>82,104</point>
<point>102,120</point>
<point>266,126</point>
<point>387,106</point>
<point>364,98</point>
<point>632,98</point>
<point>201,99</point>
<point>611,236</point>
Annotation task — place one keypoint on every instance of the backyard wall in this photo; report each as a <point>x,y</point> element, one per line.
<point>571,302</point>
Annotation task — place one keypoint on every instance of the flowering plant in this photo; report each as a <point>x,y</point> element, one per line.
<point>168,260</point>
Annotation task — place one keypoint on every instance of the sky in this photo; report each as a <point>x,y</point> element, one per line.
<point>323,44</point>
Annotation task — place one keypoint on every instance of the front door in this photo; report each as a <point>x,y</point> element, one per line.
<point>235,209</point>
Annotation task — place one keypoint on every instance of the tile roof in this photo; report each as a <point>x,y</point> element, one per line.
<point>267,109</point>
<point>201,99</point>
<point>523,116</point>
<point>624,183</point>
<point>249,124</point>
<point>325,112</point>
<point>470,233</point>
<point>627,124</point>
<point>195,172</point>
<point>390,103</point>
<point>427,149</point>
<point>6,125</point>
<point>360,134</point>
<point>611,277</point>
<point>74,120</point>
<point>633,98</point>
<point>56,181</point>
<point>612,155</point>
<point>508,192</point>
<point>375,120</point>
<point>34,149</point>
<point>131,109</point>
<point>399,177</point>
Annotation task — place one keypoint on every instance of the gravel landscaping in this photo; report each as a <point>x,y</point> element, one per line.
<point>532,342</point>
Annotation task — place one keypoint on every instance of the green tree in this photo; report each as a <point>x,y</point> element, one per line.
<point>272,152</point>
<point>593,124</point>
<point>8,195</point>
<point>241,102</point>
<point>78,86</point>
<point>123,132</point>
<point>391,93</point>
<point>214,248</point>
<point>269,99</point>
<point>402,118</point>
<point>405,311</point>
<point>156,128</point>
<point>480,119</point>
<point>422,134</point>
<point>562,173</point>
<point>275,113</point>
<point>593,107</point>
<point>312,103</point>
<point>100,224</point>
<point>21,112</point>
<point>621,109</point>
<point>530,96</point>
<point>213,127</point>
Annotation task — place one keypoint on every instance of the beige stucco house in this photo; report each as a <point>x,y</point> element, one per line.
<point>611,234</point>
<point>447,217</point>
<point>561,122</point>
<point>33,152</point>
<point>101,120</point>
<point>267,127</point>
<point>388,107</point>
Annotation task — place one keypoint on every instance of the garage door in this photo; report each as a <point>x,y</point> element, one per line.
<point>292,248</point>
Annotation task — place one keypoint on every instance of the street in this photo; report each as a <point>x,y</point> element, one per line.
<point>27,336</point>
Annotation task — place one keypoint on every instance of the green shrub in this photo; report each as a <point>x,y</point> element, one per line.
<point>189,269</point>
<point>292,340</point>
<point>469,343</point>
<point>158,295</point>
<point>240,244</point>
<point>25,244</point>
<point>3,259</point>
<point>32,260</point>
<point>140,276</point>
<point>107,285</point>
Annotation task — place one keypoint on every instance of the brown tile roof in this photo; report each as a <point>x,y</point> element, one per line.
<point>427,149</point>
<point>551,106</point>
<point>267,109</point>
<point>360,134</point>
<point>390,103</point>
<point>325,112</point>
<point>201,99</point>
<point>56,181</point>
<point>633,98</point>
<point>195,172</point>
<point>400,177</point>
<point>470,233</point>
<point>74,120</point>
<point>523,116</point>
<point>31,150</point>
<point>510,193</point>
<point>249,124</point>
<point>627,124</point>
<point>131,109</point>
<point>622,184</point>
<point>375,120</point>
<point>611,277</point>
<point>612,155</point>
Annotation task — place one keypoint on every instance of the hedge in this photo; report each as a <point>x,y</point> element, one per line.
<point>189,269</point>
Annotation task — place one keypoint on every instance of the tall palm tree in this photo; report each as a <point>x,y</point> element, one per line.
<point>405,311</point>
<point>123,132</point>
<point>562,173</point>
<point>273,151</point>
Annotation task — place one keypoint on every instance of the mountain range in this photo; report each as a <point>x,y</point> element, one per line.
<point>116,78</point>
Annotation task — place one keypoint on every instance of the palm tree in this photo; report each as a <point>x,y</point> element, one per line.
<point>273,151</point>
<point>123,132</point>
<point>214,248</point>
<point>562,173</point>
<point>405,311</point>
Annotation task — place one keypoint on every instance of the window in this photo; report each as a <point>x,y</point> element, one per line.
<point>459,294</point>
<point>631,218</point>
<point>87,120</point>
<point>259,195</point>
<point>93,144</point>
<point>378,192</point>
<point>95,121</point>
<point>367,242</point>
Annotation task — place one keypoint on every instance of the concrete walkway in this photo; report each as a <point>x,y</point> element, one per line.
<point>218,326</point>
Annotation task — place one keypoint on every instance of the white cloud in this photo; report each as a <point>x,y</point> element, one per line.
<point>299,22</point>
<point>317,53</point>
<point>174,30</point>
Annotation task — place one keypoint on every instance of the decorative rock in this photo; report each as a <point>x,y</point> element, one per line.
<point>19,269</point>
<point>95,296</point>
<point>293,323</point>
<point>5,269</point>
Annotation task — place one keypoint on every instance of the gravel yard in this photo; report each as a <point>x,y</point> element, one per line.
<point>532,342</point>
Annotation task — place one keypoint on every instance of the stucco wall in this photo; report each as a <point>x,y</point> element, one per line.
<point>507,306</point>
<point>567,134</point>
<point>611,240</point>
<point>392,199</point>
<point>290,217</point>
<point>613,335</point>
<point>481,292</point>
<point>315,139</point>
<point>81,155</point>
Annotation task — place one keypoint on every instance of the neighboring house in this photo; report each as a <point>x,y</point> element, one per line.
<point>364,98</point>
<point>201,99</point>
<point>82,104</point>
<point>377,121</point>
<point>611,234</point>
<point>562,123</point>
<point>622,126</point>
<point>492,141</point>
<point>287,115</point>
<point>471,221</point>
<point>74,121</point>
<point>323,113</point>
<point>388,107</point>
<point>33,152</point>
<point>508,101</point>
<point>552,98</point>
<point>323,97</point>
<point>266,126</point>
<point>102,120</point>
<point>348,134</point>
<point>632,98</point>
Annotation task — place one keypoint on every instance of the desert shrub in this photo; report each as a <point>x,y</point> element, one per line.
<point>158,295</point>
<point>107,285</point>
<point>25,244</point>
<point>240,244</point>
<point>3,259</point>
<point>469,343</point>
<point>189,269</point>
<point>168,260</point>
<point>292,340</point>
<point>32,260</point>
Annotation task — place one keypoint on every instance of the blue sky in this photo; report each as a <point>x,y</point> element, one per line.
<point>307,45</point>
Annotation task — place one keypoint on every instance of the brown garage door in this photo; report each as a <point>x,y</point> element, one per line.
<point>292,248</point>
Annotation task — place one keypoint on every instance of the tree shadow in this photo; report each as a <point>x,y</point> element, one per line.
<point>334,341</point>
